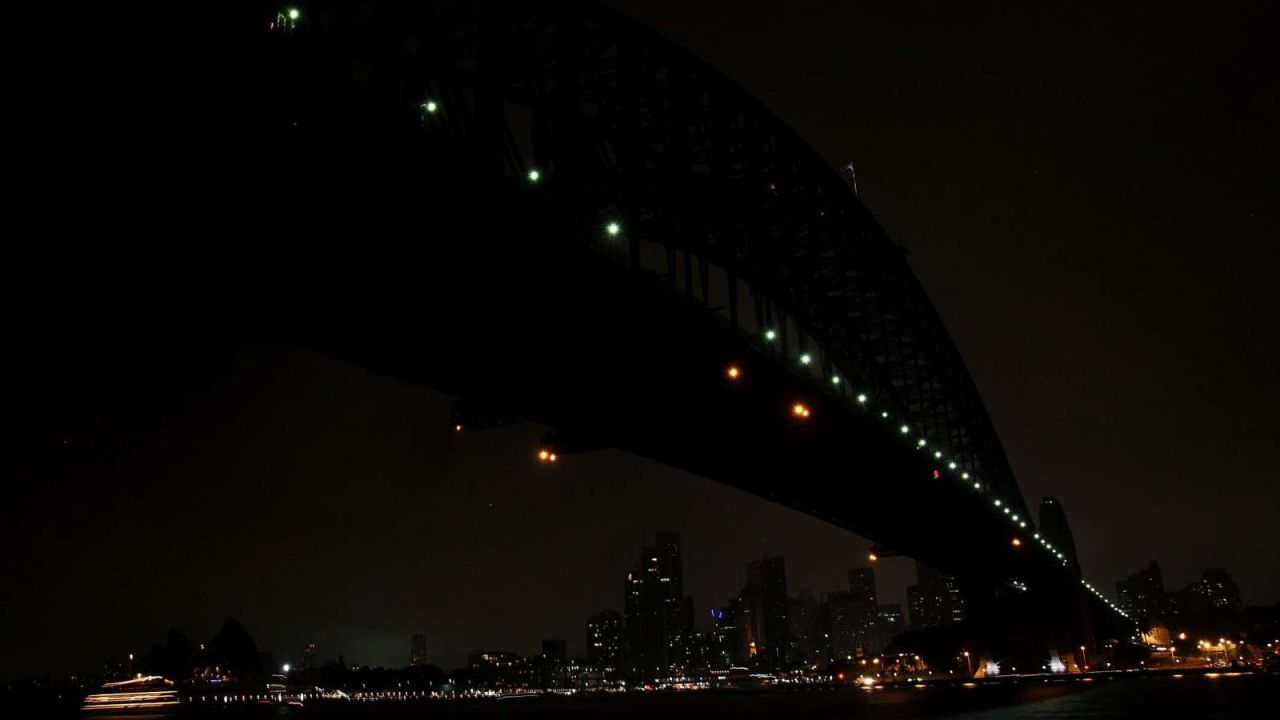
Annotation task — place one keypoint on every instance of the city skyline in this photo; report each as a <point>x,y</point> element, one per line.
<point>1124,353</point>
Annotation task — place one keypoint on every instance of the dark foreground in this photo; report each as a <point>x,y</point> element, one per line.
<point>1162,698</point>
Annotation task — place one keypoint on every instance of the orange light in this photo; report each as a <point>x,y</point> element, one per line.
<point>553,457</point>
<point>733,372</point>
<point>544,455</point>
<point>1017,542</point>
<point>873,557</point>
<point>800,410</point>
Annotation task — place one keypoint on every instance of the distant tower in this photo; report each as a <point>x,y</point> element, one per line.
<point>604,642</point>
<point>1215,590</point>
<point>769,576</point>
<point>418,650</point>
<point>309,656</point>
<point>934,600</point>
<point>862,590</point>
<point>1054,528</point>
<point>659,618</point>
<point>1142,594</point>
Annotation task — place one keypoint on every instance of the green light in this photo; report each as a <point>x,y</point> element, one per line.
<point>294,14</point>
<point>534,176</point>
<point>613,229</point>
<point>805,359</point>
<point>770,334</point>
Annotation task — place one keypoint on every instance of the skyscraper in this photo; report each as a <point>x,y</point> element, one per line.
<point>1142,595</point>
<point>308,659</point>
<point>604,642</point>
<point>659,618</point>
<point>862,592</point>
<point>934,600</point>
<point>888,625</point>
<point>1054,527</point>
<point>841,621</point>
<point>1215,590</point>
<point>769,576</point>
<point>417,650</point>
<point>802,618</point>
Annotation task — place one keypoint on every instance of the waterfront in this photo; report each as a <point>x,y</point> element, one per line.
<point>1170,697</point>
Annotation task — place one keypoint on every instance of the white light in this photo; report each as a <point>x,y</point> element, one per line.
<point>997,503</point>
<point>805,359</point>
<point>965,475</point>
<point>951,465</point>
<point>770,334</point>
<point>920,442</point>
<point>835,379</point>
<point>613,229</point>
<point>904,429</point>
<point>938,454</point>
<point>294,14</point>
<point>430,106</point>
<point>884,414</point>
<point>862,398</point>
<point>286,667</point>
<point>976,486</point>
<point>534,176</point>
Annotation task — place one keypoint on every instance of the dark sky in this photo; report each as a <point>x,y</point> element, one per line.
<point>1088,195</point>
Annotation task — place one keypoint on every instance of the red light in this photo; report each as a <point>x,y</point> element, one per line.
<point>840,676</point>
<point>936,474</point>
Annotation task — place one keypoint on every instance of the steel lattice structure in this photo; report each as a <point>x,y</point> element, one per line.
<point>624,120</point>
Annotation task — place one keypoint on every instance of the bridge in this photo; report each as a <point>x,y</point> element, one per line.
<point>553,213</point>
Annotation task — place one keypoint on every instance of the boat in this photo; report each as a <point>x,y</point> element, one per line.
<point>143,695</point>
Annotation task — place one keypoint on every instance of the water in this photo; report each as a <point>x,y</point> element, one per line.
<point>1157,698</point>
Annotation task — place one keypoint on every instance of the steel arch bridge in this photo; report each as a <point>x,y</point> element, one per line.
<point>659,201</point>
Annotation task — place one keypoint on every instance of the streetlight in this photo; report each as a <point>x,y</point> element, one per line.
<point>968,661</point>
<point>1084,655</point>
<point>285,668</point>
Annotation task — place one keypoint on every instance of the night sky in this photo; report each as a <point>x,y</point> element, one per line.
<point>1088,195</point>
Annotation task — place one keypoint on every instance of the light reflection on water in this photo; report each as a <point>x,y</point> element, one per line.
<point>1223,697</point>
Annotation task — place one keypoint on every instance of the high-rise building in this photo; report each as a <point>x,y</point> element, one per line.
<point>659,618</point>
<point>862,592</point>
<point>769,576</point>
<point>308,657</point>
<point>1142,595</point>
<point>604,643</point>
<point>934,600</point>
<point>1055,529</point>
<point>802,618</point>
<point>551,664</point>
<point>417,650</point>
<point>1215,590</point>
<point>888,625</point>
<point>841,620</point>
